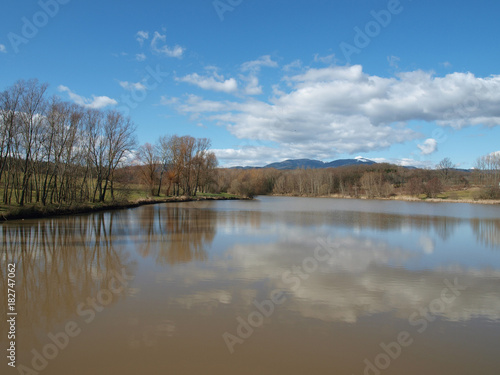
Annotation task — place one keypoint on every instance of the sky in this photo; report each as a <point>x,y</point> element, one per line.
<point>408,82</point>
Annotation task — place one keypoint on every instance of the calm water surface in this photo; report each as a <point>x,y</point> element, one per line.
<point>270,286</point>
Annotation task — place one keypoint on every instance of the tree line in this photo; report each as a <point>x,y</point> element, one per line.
<point>372,181</point>
<point>178,165</point>
<point>54,152</point>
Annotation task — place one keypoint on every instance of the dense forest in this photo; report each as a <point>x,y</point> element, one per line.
<point>55,152</point>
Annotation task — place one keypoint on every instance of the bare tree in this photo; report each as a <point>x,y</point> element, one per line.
<point>445,166</point>
<point>120,139</point>
<point>148,156</point>
<point>166,160</point>
<point>33,106</point>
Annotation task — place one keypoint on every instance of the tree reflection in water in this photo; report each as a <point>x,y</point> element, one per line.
<point>174,233</point>
<point>60,263</point>
<point>487,231</point>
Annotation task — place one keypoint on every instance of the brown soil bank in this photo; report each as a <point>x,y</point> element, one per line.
<point>38,211</point>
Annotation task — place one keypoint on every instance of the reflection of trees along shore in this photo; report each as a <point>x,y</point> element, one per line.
<point>179,233</point>
<point>174,234</point>
<point>60,263</point>
<point>487,231</point>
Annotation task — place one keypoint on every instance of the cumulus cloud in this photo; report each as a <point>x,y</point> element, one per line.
<point>139,86</point>
<point>341,109</point>
<point>253,87</point>
<point>213,82</point>
<point>255,156</point>
<point>428,147</point>
<point>158,45</point>
<point>96,102</point>
<point>253,68</point>
<point>140,57</point>
<point>3,49</point>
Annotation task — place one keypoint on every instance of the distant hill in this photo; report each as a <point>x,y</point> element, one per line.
<point>314,164</point>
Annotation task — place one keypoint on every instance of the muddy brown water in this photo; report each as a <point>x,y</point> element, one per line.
<point>277,285</point>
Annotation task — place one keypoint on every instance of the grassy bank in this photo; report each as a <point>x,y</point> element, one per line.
<point>460,196</point>
<point>15,212</point>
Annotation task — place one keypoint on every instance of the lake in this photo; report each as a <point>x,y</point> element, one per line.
<point>276,285</point>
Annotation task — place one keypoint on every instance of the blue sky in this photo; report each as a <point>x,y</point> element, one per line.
<point>409,82</point>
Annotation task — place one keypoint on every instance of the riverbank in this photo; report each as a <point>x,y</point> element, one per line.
<point>404,198</point>
<point>38,211</point>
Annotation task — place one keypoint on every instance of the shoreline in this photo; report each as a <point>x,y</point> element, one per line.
<point>400,198</point>
<point>38,212</point>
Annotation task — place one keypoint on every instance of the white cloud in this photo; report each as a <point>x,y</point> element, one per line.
<point>255,65</point>
<point>405,162</point>
<point>428,147</point>
<point>132,86</point>
<point>254,156</point>
<point>3,49</point>
<point>140,57</point>
<point>214,82</point>
<point>176,51</point>
<point>96,101</point>
<point>141,36</point>
<point>195,104</point>
<point>294,65</point>
<point>335,110</point>
<point>252,87</point>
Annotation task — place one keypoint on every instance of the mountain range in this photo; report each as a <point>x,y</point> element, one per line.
<point>313,164</point>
